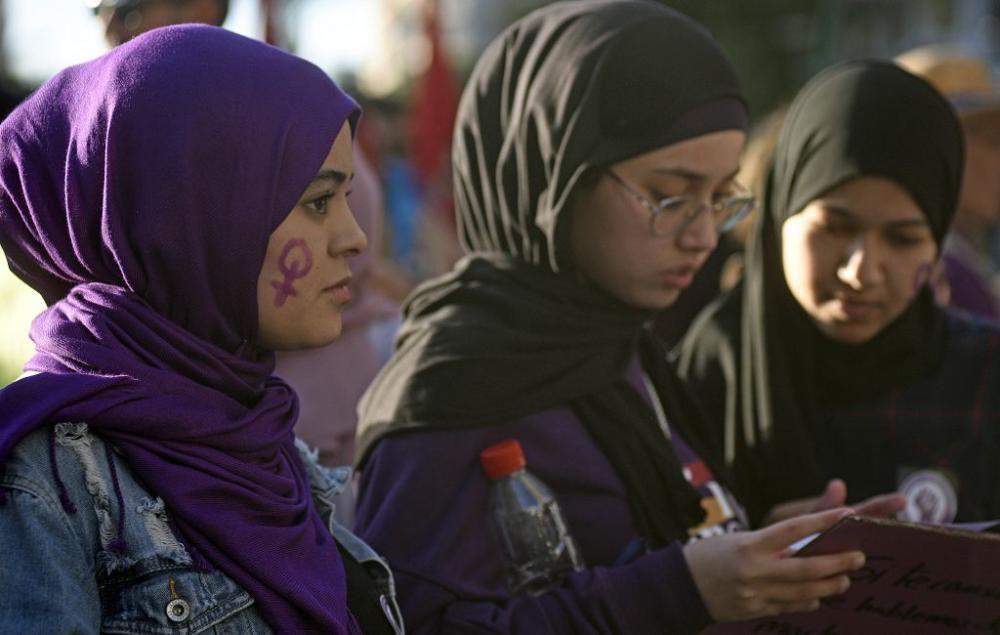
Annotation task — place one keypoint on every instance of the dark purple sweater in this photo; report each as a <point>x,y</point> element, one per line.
<point>424,505</point>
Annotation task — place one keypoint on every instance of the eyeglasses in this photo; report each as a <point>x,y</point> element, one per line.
<point>674,214</point>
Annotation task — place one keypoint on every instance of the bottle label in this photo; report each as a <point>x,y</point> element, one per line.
<point>723,514</point>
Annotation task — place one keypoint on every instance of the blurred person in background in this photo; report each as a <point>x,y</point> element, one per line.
<point>125,19</point>
<point>420,241</point>
<point>972,275</point>
<point>17,302</point>
<point>11,94</point>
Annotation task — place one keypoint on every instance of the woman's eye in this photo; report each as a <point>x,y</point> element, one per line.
<point>722,199</point>
<point>904,240</point>
<point>318,205</point>
<point>659,196</point>
<point>724,193</point>
<point>838,229</point>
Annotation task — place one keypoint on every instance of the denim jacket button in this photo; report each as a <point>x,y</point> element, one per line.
<point>178,610</point>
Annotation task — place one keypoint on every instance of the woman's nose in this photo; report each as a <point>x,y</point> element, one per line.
<point>701,233</point>
<point>861,266</point>
<point>348,238</point>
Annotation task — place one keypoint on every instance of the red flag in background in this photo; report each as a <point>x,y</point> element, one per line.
<point>431,119</point>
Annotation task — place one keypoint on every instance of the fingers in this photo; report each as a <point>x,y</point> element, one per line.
<point>788,598</point>
<point>772,598</point>
<point>778,536</point>
<point>805,592</point>
<point>835,495</point>
<point>884,506</point>
<point>816,567</point>
<point>791,509</point>
<point>738,579</point>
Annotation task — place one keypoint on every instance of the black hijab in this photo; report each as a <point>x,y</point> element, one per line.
<point>855,119</point>
<point>509,332</point>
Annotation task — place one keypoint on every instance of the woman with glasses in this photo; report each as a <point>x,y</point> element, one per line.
<point>831,369</point>
<point>594,157</point>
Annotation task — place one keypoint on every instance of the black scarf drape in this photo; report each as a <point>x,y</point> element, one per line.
<point>855,119</point>
<point>497,339</point>
<point>572,87</point>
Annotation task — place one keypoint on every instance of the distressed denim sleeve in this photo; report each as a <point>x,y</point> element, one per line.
<point>47,577</point>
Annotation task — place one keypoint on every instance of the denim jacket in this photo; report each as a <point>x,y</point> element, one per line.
<point>59,575</point>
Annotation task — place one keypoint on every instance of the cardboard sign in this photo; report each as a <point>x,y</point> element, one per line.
<point>918,579</point>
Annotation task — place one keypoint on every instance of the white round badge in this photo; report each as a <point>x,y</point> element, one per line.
<point>930,497</point>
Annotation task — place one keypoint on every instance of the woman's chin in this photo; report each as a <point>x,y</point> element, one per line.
<point>851,334</point>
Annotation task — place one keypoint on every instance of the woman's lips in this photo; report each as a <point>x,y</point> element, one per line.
<point>680,277</point>
<point>859,310</point>
<point>340,291</point>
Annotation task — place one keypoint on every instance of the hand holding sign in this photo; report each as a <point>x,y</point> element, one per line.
<point>917,579</point>
<point>745,575</point>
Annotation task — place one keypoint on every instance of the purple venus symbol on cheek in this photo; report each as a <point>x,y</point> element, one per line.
<point>294,262</point>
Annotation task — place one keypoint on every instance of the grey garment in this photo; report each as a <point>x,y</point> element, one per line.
<point>64,572</point>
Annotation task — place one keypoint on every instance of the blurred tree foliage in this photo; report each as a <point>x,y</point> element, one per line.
<point>774,44</point>
<point>777,45</point>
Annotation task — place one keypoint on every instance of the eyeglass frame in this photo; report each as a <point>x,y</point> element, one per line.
<point>658,209</point>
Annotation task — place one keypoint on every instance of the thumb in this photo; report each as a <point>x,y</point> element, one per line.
<point>835,495</point>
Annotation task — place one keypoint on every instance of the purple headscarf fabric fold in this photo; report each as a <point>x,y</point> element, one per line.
<point>137,195</point>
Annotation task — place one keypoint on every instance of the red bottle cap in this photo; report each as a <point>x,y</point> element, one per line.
<point>501,459</point>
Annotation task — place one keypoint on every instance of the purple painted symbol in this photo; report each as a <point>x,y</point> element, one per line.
<point>294,263</point>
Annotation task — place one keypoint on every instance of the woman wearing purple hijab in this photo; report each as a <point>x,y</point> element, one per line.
<point>180,204</point>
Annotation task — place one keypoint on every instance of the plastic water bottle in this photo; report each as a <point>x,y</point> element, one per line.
<point>539,550</point>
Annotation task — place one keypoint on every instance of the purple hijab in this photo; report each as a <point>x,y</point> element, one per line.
<point>137,195</point>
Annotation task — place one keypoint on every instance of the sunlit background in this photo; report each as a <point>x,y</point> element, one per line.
<point>380,49</point>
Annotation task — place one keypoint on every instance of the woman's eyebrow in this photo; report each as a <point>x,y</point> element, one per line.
<point>845,213</point>
<point>905,224</point>
<point>338,177</point>
<point>691,175</point>
<point>839,211</point>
